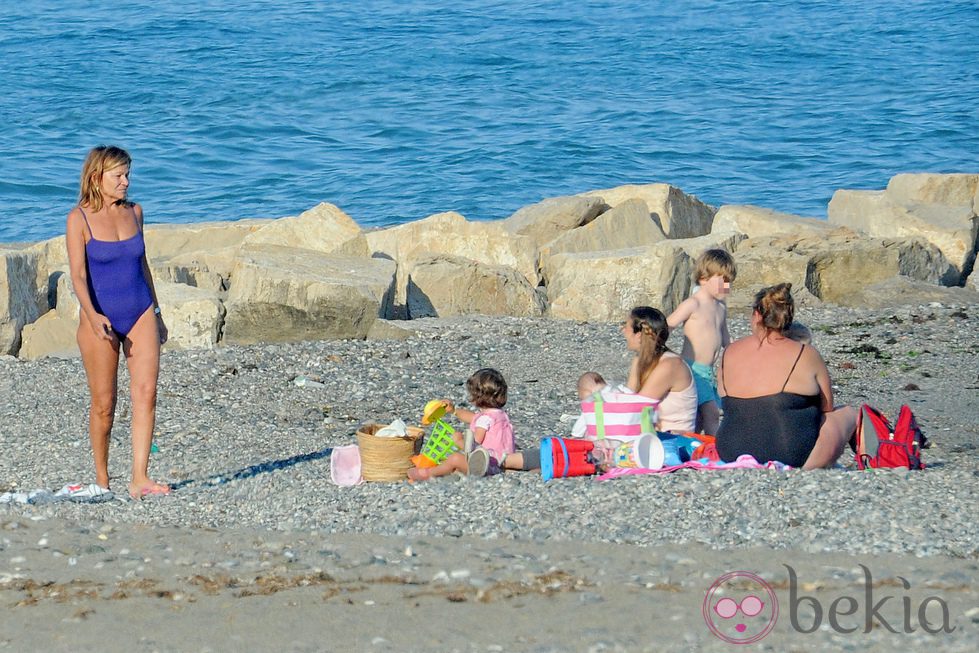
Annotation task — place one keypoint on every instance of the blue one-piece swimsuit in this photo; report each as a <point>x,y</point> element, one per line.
<point>116,282</point>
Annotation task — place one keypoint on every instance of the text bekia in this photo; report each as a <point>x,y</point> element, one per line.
<point>873,609</point>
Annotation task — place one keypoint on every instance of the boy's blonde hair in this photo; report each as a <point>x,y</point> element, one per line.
<point>715,261</point>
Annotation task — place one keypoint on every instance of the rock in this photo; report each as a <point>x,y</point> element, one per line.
<point>52,256</point>
<point>390,330</point>
<point>764,262</point>
<point>755,221</point>
<point>726,240</point>
<point>52,335</point>
<point>603,286</point>
<point>323,228</point>
<point>831,267</point>
<point>973,280</point>
<point>938,208</point>
<point>281,294</point>
<point>548,219</point>
<point>896,291</point>
<point>194,316</point>
<point>678,214</point>
<point>451,234</point>
<point>441,286</point>
<point>165,241</point>
<point>627,225</point>
<point>208,269</point>
<point>843,267</point>
<point>18,296</point>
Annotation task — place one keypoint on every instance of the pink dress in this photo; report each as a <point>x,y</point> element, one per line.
<point>499,432</point>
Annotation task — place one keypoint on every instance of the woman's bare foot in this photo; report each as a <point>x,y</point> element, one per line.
<point>419,474</point>
<point>147,488</point>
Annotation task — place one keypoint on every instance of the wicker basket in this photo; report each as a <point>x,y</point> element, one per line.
<point>386,459</point>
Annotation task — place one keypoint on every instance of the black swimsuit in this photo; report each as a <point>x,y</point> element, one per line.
<point>783,426</point>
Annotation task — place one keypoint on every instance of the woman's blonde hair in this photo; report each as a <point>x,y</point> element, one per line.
<point>776,307</point>
<point>651,323</point>
<point>99,159</point>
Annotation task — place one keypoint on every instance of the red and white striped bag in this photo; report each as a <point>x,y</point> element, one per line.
<point>619,415</point>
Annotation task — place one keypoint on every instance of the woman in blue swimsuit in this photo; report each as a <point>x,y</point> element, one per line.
<point>112,281</point>
<point>778,399</point>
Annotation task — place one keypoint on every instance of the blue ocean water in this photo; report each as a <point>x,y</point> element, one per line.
<point>397,109</point>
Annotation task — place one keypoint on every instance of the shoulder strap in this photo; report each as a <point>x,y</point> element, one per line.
<point>86,222</point>
<point>802,348</point>
<point>139,227</point>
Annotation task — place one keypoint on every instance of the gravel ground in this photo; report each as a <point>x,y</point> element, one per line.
<point>245,446</point>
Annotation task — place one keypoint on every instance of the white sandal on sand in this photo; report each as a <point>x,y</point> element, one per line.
<point>79,493</point>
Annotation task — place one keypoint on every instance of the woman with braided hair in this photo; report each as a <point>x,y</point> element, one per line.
<point>658,373</point>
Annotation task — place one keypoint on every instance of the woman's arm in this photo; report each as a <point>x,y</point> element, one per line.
<point>75,243</point>
<point>822,379</point>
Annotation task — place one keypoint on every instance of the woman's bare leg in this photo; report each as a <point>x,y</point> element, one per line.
<point>836,430</point>
<point>142,349</point>
<point>101,361</point>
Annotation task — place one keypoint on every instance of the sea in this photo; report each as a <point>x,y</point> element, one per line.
<point>397,109</point>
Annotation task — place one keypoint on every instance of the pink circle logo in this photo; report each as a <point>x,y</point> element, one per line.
<point>740,608</point>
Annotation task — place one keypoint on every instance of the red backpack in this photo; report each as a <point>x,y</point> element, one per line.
<point>879,445</point>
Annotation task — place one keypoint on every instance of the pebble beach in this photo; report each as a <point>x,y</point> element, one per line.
<point>257,540</point>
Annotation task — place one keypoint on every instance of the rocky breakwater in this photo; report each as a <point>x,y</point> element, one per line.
<point>584,257</point>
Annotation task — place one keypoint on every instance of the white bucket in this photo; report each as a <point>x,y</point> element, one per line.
<point>645,452</point>
<point>650,452</point>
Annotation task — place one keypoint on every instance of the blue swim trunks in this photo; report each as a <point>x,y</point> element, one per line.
<point>703,376</point>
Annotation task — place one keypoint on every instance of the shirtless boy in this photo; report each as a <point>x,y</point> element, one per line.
<point>704,319</point>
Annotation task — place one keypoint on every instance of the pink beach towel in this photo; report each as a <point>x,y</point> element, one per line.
<point>743,462</point>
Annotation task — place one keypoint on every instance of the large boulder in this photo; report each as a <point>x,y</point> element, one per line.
<point>898,291</point>
<point>18,296</point>
<point>194,316</point>
<point>323,228</point>
<point>207,269</point>
<point>755,221</point>
<point>548,219</point>
<point>50,336</point>
<point>832,267</point>
<point>442,286</point>
<point>938,208</point>
<point>843,267</point>
<point>603,286</point>
<point>627,225</point>
<point>282,294</point>
<point>451,234</point>
<point>766,261</point>
<point>726,240</point>
<point>678,214</point>
<point>164,241</point>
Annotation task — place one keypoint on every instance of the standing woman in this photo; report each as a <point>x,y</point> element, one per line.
<point>112,281</point>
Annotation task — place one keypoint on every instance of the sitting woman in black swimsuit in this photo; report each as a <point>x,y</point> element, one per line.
<point>778,401</point>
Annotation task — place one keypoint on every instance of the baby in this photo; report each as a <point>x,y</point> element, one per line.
<point>588,384</point>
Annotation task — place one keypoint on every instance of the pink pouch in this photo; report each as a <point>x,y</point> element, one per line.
<point>345,465</point>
